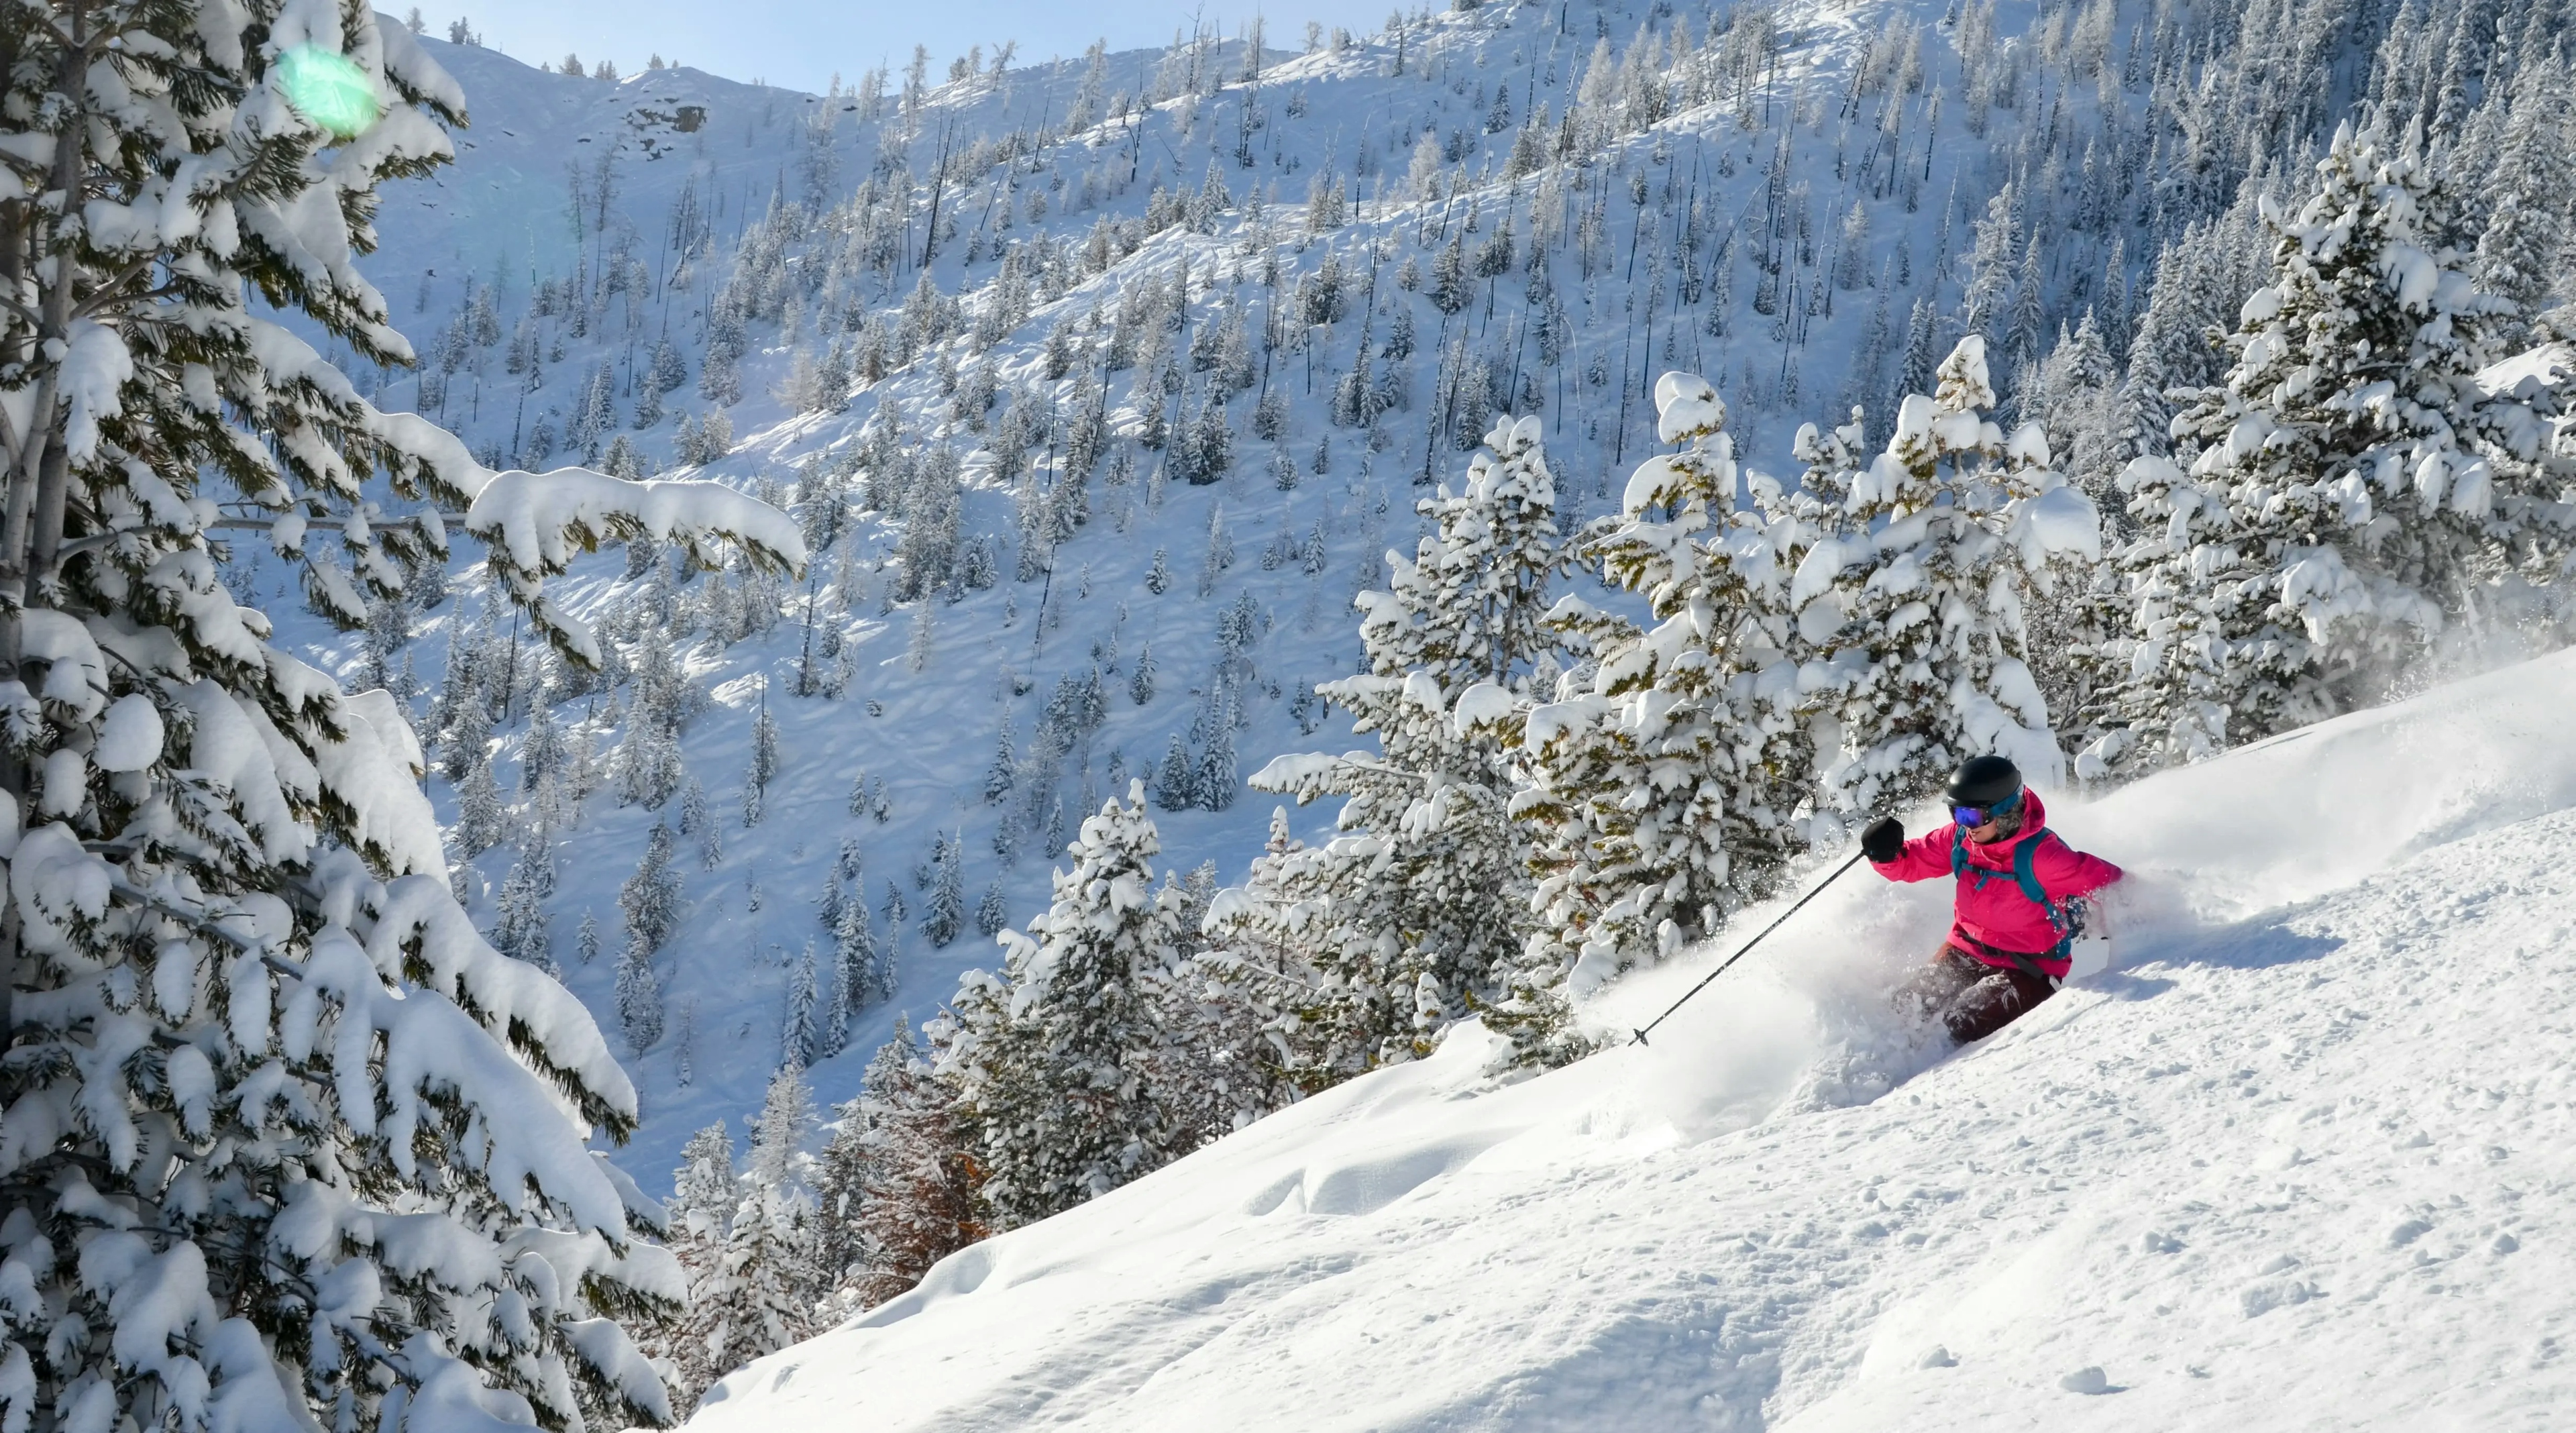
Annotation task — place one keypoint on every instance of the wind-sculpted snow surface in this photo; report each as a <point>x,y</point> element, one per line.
<point>2297,1160</point>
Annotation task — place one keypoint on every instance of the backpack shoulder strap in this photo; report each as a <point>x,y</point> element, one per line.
<point>2026,875</point>
<point>1958,851</point>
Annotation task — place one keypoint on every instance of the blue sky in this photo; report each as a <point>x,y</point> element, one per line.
<point>802,43</point>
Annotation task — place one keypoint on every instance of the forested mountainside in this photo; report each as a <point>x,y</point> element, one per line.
<point>2284,1164</point>
<point>1101,388</point>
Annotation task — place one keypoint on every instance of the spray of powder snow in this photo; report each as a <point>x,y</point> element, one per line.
<point>1805,1021</point>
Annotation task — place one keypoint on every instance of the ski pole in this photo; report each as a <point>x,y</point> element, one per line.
<point>1748,945</point>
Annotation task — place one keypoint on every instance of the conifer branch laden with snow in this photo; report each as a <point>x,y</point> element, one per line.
<point>261,1064</point>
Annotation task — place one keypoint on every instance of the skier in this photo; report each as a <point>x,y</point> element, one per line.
<point>2019,906</point>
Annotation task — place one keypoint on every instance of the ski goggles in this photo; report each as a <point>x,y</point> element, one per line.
<point>1980,815</point>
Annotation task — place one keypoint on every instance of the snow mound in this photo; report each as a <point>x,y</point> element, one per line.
<point>2289,1162</point>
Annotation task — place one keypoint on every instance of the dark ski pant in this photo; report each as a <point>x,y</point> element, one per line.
<point>1970,998</point>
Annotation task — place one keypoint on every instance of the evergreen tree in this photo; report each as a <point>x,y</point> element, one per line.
<point>519,926</point>
<point>945,912</point>
<point>481,821</point>
<point>1140,683</point>
<point>1246,995</point>
<point>1422,893</point>
<point>1664,796</point>
<point>1915,596</point>
<point>997,777</point>
<point>760,1294</point>
<point>1914,373</point>
<point>799,1029</point>
<point>650,899</point>
<point>764,762</point>
<point>2524,244</point>
<point>250,1031</point>
<point>865,976</point>
<point>639,997</point>
<point>1049,1059</point>
<point>545,751</point>
<point>1985,304</point>
<point>704,1189</point>
<point>993,912</point>
<point>696,819</point>
<point>2347,490</point>
<point>1217,777</point>
<point>704,1194</point>
<point>1176,781</point>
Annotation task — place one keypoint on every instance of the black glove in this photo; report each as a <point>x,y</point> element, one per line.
<point>1883,839</point>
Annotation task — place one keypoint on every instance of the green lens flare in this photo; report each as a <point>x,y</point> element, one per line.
<point>328,89</point>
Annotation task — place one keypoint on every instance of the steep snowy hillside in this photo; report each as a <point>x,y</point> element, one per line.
<point>2299,1160</point>
<point>1155,352</point>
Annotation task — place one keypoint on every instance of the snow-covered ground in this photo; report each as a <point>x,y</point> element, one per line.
<point>2300,1158</point>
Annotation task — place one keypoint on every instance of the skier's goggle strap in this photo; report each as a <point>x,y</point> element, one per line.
<point>1980,815</point>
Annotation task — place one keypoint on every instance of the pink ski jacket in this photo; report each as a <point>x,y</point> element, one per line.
<point>1993,915</point>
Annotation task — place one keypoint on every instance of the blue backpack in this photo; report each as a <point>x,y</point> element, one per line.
<point>2060,919</point>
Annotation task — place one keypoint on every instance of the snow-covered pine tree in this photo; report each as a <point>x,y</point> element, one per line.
<point>650,904</point>
<point>838,998</point>
<point>1217,774</point>
<point>863,976</point>
<point>798,1026</point>
<point>2524,243</point>
<point>650,899</point>
<point>696,819</point>
<point>639,997</point>
<point>705,1191</point>
<point>764,763</point>
<point>2346,491</point>
<point>1176,780</point>
<point>482,821</point>
<point>519,926</point>
<point>760,1293</point>
<point>1664,796</point>
<point>945,912</point>
<point>248,1023</point>
<point>997,777</point>
<point>1422,893</point>
<point>993,912</point>
<point>2077,402</point>
<point>1915,603</point>
<point>1049,1058</point>
<point>546,749</point>
<point>1243,997</point>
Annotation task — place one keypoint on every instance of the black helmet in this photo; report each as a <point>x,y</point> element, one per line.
<point>1984,781</point>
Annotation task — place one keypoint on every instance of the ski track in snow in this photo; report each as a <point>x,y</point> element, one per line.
<point>2301,1159</point>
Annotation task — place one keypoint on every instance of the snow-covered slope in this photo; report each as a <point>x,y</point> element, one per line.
<point>2301,1158</point>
